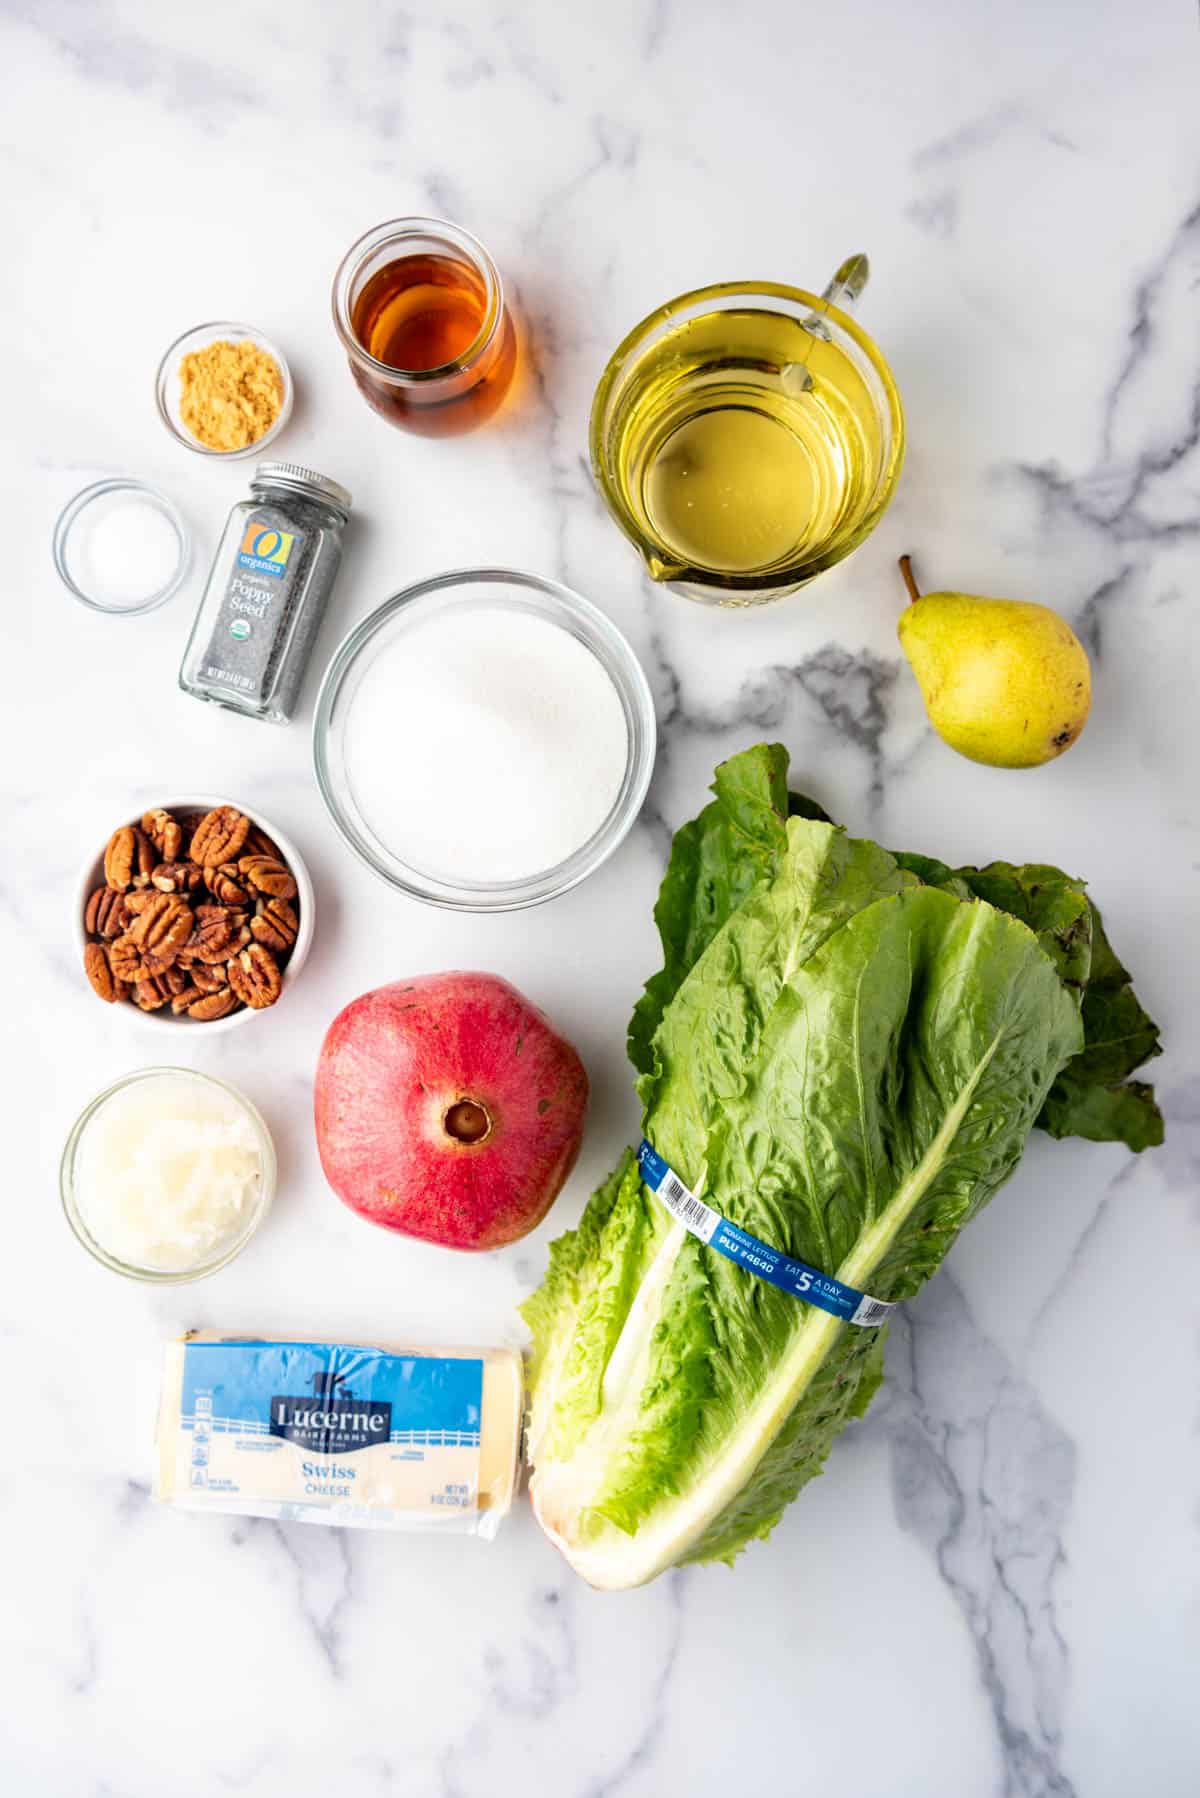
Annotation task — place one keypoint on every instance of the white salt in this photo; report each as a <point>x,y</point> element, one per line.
<point>485,746</point>
<point>123,549</point>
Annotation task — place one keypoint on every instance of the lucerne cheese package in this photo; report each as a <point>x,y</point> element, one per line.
<point>323,1432</point>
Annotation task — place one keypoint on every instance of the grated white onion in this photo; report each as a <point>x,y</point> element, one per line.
<point>168,1173</point>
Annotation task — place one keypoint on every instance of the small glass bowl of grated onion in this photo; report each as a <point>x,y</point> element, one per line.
<point>167,1174</point>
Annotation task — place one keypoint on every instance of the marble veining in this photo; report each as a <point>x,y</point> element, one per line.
<point>991,1591</point>
<point>983,1477</point>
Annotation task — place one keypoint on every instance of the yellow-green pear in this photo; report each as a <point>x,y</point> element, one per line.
<point>1004,681</point>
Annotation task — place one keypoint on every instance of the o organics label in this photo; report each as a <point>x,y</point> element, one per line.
<point>265,550</point>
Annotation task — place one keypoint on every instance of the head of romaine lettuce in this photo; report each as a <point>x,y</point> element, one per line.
<point>845,1060</point>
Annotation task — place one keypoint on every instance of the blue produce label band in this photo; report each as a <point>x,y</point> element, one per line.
<point>797,1277</point>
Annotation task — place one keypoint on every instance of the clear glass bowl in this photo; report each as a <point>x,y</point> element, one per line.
<point>471,590</point>
<point>158,1276</point>
<point>69,545</point>
<point>168,387</point>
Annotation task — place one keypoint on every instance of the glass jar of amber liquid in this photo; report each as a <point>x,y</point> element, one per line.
<point>420,311</point>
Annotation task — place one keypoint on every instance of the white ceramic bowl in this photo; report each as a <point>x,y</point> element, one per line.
<point>92,876</point>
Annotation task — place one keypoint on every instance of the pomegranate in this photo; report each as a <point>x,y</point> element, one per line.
<point>448,1109</point>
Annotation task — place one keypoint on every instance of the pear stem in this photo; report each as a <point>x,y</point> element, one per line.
<point>910,581</point>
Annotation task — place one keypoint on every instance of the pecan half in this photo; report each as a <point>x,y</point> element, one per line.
<point>163,832</point>
<point>160,929</point>
<point>224,886</point>
<point>214,1005</point>
<point>275,924</point>
<point>176,877</point>
<point>254,977</point>
<point>151,995</point>
<point>125,959</point>
<point>259,843</point>
<point>106,913</point>
<point>267,875</point>
<point>218,837</point>
<point>219,933</point>
<point>208,977</point>
<point>129,854</point>
<point>98,969</point>
<point>119,858</point>
<point>145,859</point>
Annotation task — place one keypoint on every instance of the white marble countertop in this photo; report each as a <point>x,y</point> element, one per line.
<point>993,1588</point>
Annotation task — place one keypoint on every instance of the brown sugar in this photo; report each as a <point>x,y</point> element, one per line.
<point>231,394</point>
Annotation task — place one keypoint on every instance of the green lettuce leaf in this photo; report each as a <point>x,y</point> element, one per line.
<point>716,860</point>
<point>737,840</point>
<point>872,1057</point>
<point>1054,906</point>
<point>821,879</point>
<point>1094,1097</point>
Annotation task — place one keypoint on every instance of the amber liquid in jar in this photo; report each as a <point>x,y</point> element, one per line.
<point>421,315</point>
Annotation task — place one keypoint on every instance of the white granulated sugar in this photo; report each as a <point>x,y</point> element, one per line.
<point>485,746</point>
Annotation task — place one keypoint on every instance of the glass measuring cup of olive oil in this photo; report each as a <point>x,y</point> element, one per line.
<point>747,436</point>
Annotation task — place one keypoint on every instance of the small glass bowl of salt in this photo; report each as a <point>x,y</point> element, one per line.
<point>121,547</point>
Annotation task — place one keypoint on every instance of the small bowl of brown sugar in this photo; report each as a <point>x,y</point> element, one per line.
<point>224,389</point>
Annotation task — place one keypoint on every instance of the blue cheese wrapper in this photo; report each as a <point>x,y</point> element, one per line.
<point>320,1432</point>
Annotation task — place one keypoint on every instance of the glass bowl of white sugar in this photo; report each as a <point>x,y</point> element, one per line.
<point>484,740</point>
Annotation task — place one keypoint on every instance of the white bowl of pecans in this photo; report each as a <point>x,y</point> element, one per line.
<point>197,911</point>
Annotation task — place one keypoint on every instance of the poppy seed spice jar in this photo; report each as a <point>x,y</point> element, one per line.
<point>266,593</point>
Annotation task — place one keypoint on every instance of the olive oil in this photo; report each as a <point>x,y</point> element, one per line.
<point>746,442</point>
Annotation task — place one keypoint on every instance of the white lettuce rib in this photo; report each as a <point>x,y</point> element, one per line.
<point>559,1490</point>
